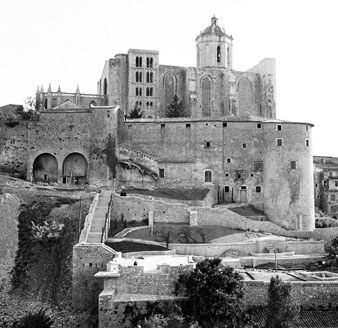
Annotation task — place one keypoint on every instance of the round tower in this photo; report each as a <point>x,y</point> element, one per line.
<point>214,47</point>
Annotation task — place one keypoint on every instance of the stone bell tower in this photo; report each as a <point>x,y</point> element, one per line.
<point>214,47</point>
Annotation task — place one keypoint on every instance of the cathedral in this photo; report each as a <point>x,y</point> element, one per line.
<point>228,141</point>
<point>211,89</point>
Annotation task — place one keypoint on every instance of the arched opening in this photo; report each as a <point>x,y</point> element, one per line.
<point>206,96</point>
<point>74,169</point>
<point>45,168</point>
<point>105,87</point>
<point>170,89</point>
<point>92,103</point>
<point>218,54</point>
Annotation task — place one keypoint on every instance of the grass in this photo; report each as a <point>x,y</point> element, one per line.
<point>182,233</point>
<point>129,247</point>
<point>180,194</point>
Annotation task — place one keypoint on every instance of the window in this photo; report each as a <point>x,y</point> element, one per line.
<point>149,62</point>
<point>187,125</point>
<point>259,125</point>
<point>279,142</point>
<point>226,189</point>
<point>149,92</point>
<point>307,142</point>
<point>218,54</point>
<point>162,126</point>
<point>243,187</point>
<point>332,197</point>
<point>239,174</point>
<point>207,176</point>
<point>136,92</point>
<point>244,145</point>
<point>307,128</point>
<point>258,188</point>
<point>226,174</point>
<point>258,166</point>
<point>279,127</point>
<point>228,160</point>
<point>206,97</point>
<point>336,183</point>
<point>207,144</point>
<point>161,173</point>
<point>293,165</point>
<point>149,77</point>
<point>225,124</point>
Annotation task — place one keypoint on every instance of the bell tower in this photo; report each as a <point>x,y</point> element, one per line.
<point>214,47</point>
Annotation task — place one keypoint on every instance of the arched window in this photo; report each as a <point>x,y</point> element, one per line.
<point>140,91</point>
<point>140,61</point>
<point>170,89</point>
<point>46,103</point>
<point>148,78</point>
<point>228,56</point>
<point>105,87</point>
<point>136,92</point>
<point>150,92</point>
<point>151,76</point>
<point>137,62</point>
<point>218,54</point>
<point>136,76</point>
<point>206,97</point>
<point>140,76</point>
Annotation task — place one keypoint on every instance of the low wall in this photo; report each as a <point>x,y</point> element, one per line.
<point>310,295</point>
<point>213,250</point>
<point>217,249</point>
<point>135,208</point>
<point>88,219</point>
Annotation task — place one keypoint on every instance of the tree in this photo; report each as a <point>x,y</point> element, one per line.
<point>176,108</point>
<point>214,295</point>
<point>29,110</point>
<point>136,112</point>
<point>282,309</point>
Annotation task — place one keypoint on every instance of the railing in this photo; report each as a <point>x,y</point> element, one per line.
<point>106,227</point>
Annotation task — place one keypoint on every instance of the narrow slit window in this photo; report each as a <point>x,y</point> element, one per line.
<point>207,176</point>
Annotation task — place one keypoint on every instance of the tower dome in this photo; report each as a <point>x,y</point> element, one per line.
<point>214,47</point>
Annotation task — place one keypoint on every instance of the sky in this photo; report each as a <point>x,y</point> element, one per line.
<point>66,43</point>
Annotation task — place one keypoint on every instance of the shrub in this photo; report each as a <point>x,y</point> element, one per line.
<point>282,309</point>
<point>37,319</point>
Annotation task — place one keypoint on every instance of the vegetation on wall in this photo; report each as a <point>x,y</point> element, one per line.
<point>45,245</point>
<point>110,151</point>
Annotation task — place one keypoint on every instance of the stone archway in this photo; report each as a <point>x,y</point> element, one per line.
<point>74,169</point>
<point>45,168</point>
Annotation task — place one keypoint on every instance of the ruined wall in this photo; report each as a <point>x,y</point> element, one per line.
<point>13,147</point>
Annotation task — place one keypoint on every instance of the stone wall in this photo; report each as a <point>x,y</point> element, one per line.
<point>134,208</point>
<point>310,295</point>
<point>87,260</point>
<point>14,147</point>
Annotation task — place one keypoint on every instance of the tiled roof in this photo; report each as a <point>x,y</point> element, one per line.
<point>306,319</point>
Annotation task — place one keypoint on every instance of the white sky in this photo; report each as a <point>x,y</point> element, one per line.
<point>67,41</point>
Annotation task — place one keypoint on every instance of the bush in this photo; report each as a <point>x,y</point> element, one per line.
<point>37,319</point>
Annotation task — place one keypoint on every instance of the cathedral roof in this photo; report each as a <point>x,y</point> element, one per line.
<point>214,28</point>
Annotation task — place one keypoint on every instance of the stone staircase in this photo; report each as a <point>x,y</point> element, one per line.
<point>99,217</point>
